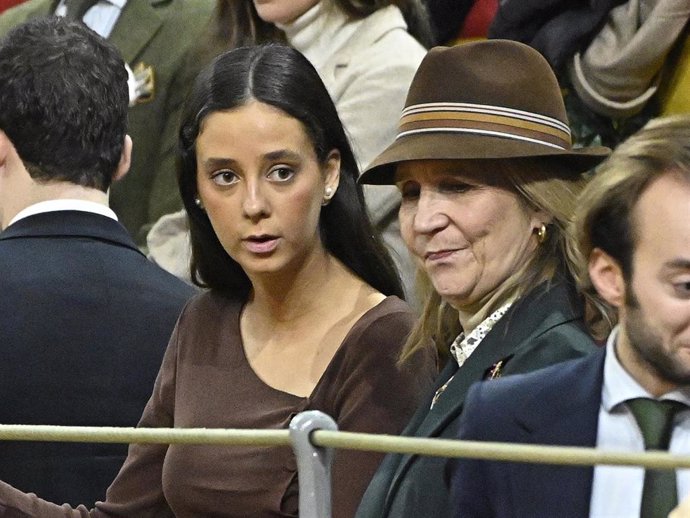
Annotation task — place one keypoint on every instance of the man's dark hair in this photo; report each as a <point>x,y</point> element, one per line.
<point>63,101</point>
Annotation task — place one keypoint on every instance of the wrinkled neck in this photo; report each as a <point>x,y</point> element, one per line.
<point>474,314</point>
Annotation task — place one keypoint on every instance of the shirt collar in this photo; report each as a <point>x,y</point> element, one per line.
<point>58,205</point>
<point>463,346</point>
<point>620,386</point>
<point>116,3</point>
<point>60,10</point>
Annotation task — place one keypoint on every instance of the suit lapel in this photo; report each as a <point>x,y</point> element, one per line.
<point>529,317</point>
<point>395,465</point>
<point>551,417</point>
<point>135,27</point>
<point>526,319</point>
<point>449,406</point>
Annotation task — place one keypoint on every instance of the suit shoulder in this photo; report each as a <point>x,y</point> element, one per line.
<point>550,330</point>
<point>571,336</point>
<point>553,377</point>
<point>174,285</point>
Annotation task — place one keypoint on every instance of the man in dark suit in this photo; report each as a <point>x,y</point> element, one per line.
<point>154,37</point>
<point>84,317</point>
<point>633,227</point>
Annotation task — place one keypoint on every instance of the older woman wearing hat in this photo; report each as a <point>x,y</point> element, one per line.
<point>488,178</point>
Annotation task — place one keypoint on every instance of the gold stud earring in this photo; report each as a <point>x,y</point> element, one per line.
<point>541,233</point>
<point>197,202</point>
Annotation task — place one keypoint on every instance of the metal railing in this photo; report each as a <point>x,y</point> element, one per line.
<point>313,435</point>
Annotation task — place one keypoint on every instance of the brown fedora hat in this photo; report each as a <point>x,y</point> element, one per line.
<point>488,99</point>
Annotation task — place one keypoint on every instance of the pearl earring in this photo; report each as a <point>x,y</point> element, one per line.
<point>327,196</point>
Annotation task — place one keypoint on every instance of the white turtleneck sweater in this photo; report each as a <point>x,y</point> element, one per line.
<point>320,32</point>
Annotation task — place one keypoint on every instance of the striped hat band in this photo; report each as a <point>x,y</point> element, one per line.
<point>484,120</point>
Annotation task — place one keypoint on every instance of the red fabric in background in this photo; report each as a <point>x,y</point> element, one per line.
<point>478,19</point>
<point>6,4</point>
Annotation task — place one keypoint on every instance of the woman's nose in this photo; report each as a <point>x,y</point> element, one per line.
<point>254,205</point>
<point>429,216</point>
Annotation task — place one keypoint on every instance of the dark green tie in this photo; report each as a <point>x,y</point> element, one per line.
<point>76,9</point>
<point>655,419</point>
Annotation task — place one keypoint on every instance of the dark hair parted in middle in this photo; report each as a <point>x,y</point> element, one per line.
<point>281,77</point>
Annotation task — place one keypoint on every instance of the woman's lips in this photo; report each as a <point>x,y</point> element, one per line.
<point>439,255</point>
<point>261,244</point>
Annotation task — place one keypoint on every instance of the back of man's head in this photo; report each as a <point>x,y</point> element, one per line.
<point>63,101</point>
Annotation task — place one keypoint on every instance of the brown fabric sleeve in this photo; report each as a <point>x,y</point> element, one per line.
<point>373,395</point>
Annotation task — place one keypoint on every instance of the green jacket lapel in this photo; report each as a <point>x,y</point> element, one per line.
<point>539,310</point>
<point>141,22</point>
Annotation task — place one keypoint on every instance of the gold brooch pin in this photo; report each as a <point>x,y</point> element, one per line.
<point>440,391</point>
<point>495,370</point>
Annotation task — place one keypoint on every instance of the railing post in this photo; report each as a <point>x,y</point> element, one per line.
<point>313,464</point>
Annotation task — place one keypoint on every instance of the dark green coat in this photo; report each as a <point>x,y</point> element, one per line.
<point>542,328</point>
<point>157,33</point>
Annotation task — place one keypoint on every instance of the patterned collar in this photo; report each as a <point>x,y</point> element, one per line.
<point>463,346</point>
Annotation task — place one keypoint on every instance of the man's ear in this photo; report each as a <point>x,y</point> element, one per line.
<point>9,159</point>
<point>125,160</point>
<point>5,146</point>
<point>607,277</point>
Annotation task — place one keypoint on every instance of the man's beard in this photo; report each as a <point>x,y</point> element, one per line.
<point>649,346</point>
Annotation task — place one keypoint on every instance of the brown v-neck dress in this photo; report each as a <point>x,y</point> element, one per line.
<point>206,381</point>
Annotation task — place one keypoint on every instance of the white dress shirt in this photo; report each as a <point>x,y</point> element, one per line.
<point>100,18</point>
<point>617,490</point>
<point>66,204</point>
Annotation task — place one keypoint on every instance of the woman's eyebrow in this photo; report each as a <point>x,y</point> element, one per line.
<point>214,163</point>
<point>282,154</point>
